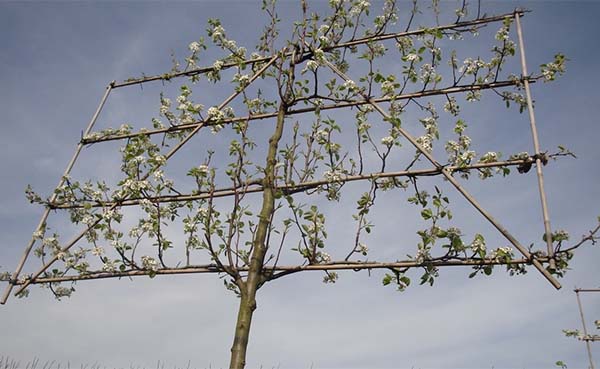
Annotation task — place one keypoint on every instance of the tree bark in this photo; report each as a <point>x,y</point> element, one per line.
<point>249,287</point>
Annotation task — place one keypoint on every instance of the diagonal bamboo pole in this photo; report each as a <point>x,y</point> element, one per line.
<point>448,175</point>
<point>536,144</point>
<point>167,156</point>
<point>338,105</point>
<point>587,342</point>
<point>302,186</point>
<point>42,222</point>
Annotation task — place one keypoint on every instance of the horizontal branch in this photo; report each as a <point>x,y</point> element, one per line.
<point>363,40</point>
<point>346,104</point>
<point>342,265</point>
<point>291,188</point>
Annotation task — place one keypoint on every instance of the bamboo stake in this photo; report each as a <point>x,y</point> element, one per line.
<point>167,156</point>
<point>363,40</point>
<point>587,342</point>
<point>15,275</point>
<point>340,105</point>
<point>245,188</point>
<point>536,145</point>
<point>448,175</point>
<point>344,265</point>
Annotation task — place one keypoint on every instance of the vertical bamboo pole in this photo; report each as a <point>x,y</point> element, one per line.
<point>15,275</point>
<point>587,343</point>
<point>448,175</point>
<point>536,143</point>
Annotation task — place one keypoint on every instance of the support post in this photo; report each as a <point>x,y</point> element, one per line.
<point>587,343</point>
<point>536,143</point>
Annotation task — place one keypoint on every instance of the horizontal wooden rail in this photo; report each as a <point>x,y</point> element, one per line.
<point>340,105</point>
<point>344,265</point>
<point>359,41</point>
<point>256,187</point>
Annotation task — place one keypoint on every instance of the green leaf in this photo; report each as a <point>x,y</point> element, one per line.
<point>404,279</point>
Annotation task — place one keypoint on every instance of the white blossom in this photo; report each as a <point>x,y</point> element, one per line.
<point>387,141</point>
<point>87,220</point>
<point>489,157</point>
<point>387,88</point>
<point>158,175</point>
<point>451,106</point>
<point>149,263</point>
<point>350,85</point>
<point>97,251</point>
<point>478,244</point>
<point>325,257</point>
<point>194,47</point>
<point>425,142</point>
<point>332,176</point>
<point>109,266</point>
<point>322,136</point>
<point>502,34</point>
<point>215,113</point>
<point>319,55</point>
<point>217,65</point>
<point>312,65</point>
<point>464,141</point>
<point>203,168</point>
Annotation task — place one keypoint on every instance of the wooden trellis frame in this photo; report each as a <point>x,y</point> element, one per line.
<point>437,169</point>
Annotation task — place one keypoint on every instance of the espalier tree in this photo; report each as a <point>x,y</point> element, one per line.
<point>361,102</point>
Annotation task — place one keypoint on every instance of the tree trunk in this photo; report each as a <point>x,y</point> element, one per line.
<point>242,332</point>
<point>259,250</point>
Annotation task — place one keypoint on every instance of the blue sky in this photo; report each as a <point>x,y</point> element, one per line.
<point>57,58</point>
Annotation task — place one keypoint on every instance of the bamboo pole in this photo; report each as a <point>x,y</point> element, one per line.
<point>67,171</point>
<point>536,145</point>
<point>587,290</point>
<point>343,265</point>
<point>167,157</point>
<point>245,188</point>
<point>340,105</point>
<point>363,40</point>
<point>587,342</point>
<point>448,175</point>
